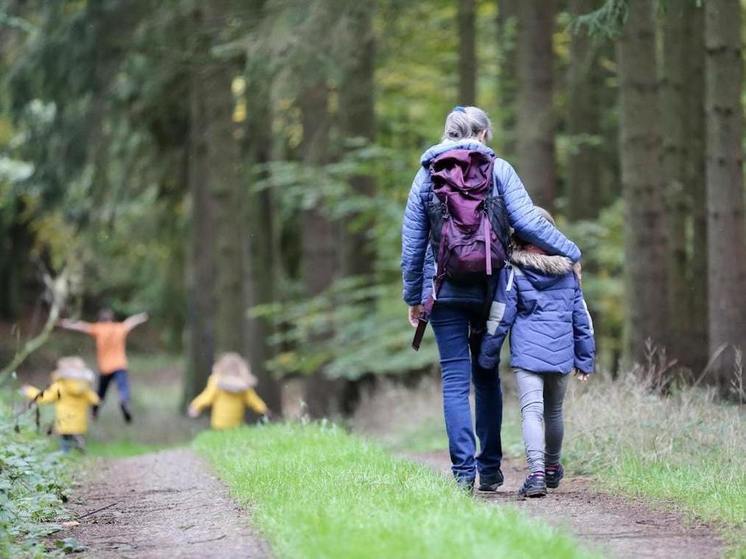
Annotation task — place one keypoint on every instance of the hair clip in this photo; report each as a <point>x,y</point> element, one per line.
<point>459,109</point>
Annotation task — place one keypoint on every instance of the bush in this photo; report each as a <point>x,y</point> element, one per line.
<point>32,481</point>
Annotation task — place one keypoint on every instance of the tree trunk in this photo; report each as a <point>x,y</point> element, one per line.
<point>724,116</point>
<point>507,26</point>
<point>645,233</point>
<point>674,107</point>
<point>201,280</point>
<point>264,251</point>
<point>535,119</point>
<point>467,53</point>
<point>584,192</point>
<point>319,265</point>
<point>698,354</point>
<point>357,120</point>
<point>226,187</point>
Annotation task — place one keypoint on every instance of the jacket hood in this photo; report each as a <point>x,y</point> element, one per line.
<point>447,145</point>
<point>232,384</point>
<point>542,270</point>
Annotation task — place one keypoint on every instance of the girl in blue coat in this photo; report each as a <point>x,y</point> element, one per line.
<point>459,311</point>
<point>539,300</point>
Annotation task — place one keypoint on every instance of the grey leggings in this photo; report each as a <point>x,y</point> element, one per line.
<point>541,397</point>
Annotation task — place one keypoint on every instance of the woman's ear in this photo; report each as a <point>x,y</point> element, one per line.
<point>482,136</point>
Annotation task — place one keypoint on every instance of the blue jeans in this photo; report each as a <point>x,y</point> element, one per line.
<point>452,324</point>
<point>122,381</point>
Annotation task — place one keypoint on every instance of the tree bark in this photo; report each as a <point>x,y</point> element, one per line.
<point>698,353</point>
<point>226,187</point>
<point>507,26</point>
<point>201,280</point>
<point>467,53</point>
<point>535,118</point>
<point>264,250</point>
<point>673,104</point>
<point>319,261</point>
<point>584,191</point>
<point>645,233</point>
<point>724,117</point>
<point>357,121</point>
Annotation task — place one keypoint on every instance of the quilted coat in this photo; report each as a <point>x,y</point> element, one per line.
<point>417,261</point>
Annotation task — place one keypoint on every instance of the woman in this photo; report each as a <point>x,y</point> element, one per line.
<point>460,307</point>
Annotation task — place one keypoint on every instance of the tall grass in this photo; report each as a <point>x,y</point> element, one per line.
<point>686,448</point>
<point>316,491</point>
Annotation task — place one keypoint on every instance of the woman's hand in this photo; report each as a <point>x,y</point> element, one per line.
<point>414,315</point>
<point>193,412</point>
<point>581,376</point>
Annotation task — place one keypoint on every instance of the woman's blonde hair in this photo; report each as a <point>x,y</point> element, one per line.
<point>464,123</point>
<point>233,373</point>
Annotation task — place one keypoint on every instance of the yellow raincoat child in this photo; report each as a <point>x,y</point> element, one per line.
<point>71,394</point>
<point>229,390</point>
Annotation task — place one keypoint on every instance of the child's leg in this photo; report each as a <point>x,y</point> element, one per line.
<point>554,394</point>
<point>531,396</point>
<point>66,443</point>
<point>123,387</point>
<point>79,442</point>
<point>103,386</point>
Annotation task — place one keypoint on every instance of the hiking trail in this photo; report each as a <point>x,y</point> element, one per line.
<point>163,504</point>
<point>613,525</point>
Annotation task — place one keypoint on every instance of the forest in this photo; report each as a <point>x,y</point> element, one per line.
<point>238,170</point>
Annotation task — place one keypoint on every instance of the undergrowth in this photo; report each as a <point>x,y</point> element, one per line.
<point>32,487</point>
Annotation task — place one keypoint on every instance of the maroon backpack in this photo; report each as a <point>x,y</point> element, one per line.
<point>467,222</point>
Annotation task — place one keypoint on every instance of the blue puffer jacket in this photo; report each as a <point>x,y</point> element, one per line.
<point>417,261</point>
<point>540,302</point>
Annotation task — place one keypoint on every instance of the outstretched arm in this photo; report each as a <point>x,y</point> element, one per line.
<point>75,325</point>
<point>526,220</point>
<point>46,396</point>
<point>135,320</point>
<point>254,402</point>
<point>204,399</point>
<point>502,316</point>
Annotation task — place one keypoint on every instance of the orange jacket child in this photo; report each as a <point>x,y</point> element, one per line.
<point>71,394</point>
<point>111,338</point>
<point>229,390</point>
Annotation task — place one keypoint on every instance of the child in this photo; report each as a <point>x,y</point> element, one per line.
<point>72,395</point>
<point>110,339</point>
<point>229,391</point>
<point>540,301</point>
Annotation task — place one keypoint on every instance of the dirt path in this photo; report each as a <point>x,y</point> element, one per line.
<point>165,504</point>
<point>616,526</point>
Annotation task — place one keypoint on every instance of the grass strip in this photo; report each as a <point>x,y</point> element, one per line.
<point>316,491</point>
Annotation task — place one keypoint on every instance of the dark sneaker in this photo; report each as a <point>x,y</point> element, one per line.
<point>126,412</point>
<point>534,486</point>
<point>466,485</point>
<point>554,473</point>
<point>491,483</point>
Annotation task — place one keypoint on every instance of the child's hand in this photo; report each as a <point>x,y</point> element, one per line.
<point>581,376</point>
<point>192,412</point>
<point>27,390</point>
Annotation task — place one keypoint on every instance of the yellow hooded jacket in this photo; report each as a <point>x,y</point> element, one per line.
<point>227,407</point>
<point>71,398</point>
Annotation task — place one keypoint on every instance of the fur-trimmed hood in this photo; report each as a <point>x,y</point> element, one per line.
<point>544,263</point>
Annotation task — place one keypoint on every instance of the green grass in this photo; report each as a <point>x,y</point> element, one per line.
<point>316,491</point>
<point>685,451</point>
